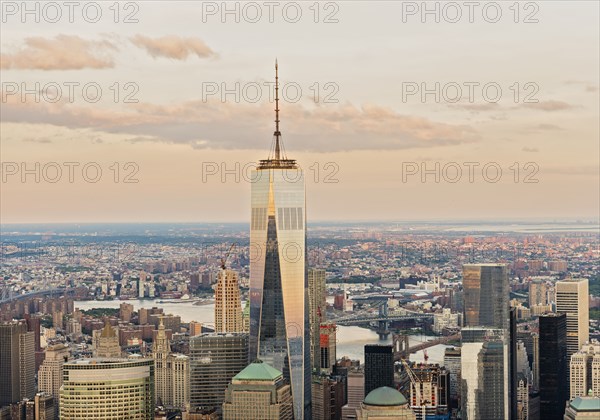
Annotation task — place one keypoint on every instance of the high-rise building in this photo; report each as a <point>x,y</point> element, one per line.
<point>484,384</point>
<point>327,397</point>
<point>107,344</point>
<point>327,346</point>
<point>228,307</point>
<point>125,311</point>
<point>379,366</point>
<point>171,372</point>
<point>384,403</point>
<point>279,321</point>
<point>553,365</point>
<point>452,365</point>
<point>585,371</point>
<point>572,299</point>
<point>486,292</point>
<point>538,293</point>
<point>429,392</point>
<point>356,394</point>
<point>259,391</point>
<point>317,307</point>
<point>486,306</point>
<point>215,358</point>
<point>522,398</point>
<point>50,375</point>
<point>108,389</point>
<point>17,362</point>
<point>195,328</point>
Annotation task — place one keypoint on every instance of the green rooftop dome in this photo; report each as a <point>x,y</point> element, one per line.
<point>258,371</point>
<point>586,404</point>
<point>385,396</point>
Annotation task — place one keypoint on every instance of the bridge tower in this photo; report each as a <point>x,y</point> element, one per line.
<point>383,325</point>
<point>401,345</point>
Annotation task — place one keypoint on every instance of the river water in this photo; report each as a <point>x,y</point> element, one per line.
<point>350,340</point>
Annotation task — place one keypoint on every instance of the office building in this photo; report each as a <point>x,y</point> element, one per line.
<point>228,307</point>
<point>107,344</point>
<point>538,293</point>
<point>385,403</point>
<point>327,347</point>
<point>572,299</point>
<point>108,389</point>
<point>486,306</point>
<point>279,321</point>
<point>585,371</point>
<point>317,308</point>
<point>355,394</point>
<point>215,358</point>
<point>484,384</point>
<point>553,365</point>
<point>379,367</point>
<point>50,374</point>
<point>172,373</point>
<point>17,362</point>
<point>327,398</point>
<point>259,391</point>
<point>522,398</point>
<point>429,390</point>
<point>452,365</point>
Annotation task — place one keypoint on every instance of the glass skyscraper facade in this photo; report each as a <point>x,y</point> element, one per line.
<point>279,322</point>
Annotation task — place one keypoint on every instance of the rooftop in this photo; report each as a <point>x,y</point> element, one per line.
<point>258,371</point>
<point>385,396</point>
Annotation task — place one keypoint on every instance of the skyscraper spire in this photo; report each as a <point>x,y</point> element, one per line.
<point>277,133</point>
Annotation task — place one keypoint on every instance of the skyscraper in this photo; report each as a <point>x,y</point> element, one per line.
<point>486,292</point>
<point>585,371</point>
<point>538,293</point>
<point>215,358</point>
<point>484,377</point>
<point>379,367</point>
<point>50,375</point>
<point>327,345</point>
<point>108,389</point>
<point>279,322</point>
<point>171,371</point>
<point>572,299</point>
<point>17,362</point>
<point>258,392</point>
<point>108,343</point>
<point>317,306</point>
<point>355,394</point>
<point>553,366</point>
<point>228,307</point>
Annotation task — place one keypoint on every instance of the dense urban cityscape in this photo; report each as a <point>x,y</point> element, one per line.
<point>404,254</point>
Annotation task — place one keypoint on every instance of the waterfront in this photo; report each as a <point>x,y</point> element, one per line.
<point>350,340</point>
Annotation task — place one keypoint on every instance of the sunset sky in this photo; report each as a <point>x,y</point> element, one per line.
<point>365,62</point>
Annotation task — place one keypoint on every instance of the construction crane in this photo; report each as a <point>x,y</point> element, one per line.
<point>224,260</point>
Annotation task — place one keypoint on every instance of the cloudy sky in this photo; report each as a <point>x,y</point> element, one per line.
<point>172,102</point>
